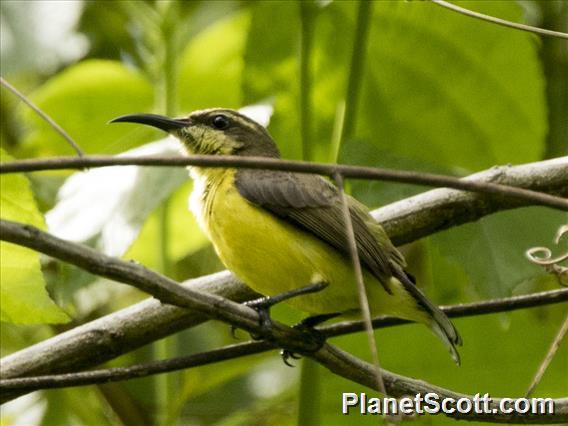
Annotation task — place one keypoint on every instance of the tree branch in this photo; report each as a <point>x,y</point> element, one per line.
<point>328,355</point>
<point>514,194</point>
<point>125,330</point>
<point>354,369</point>
<point>69,350</point>
<point>336,360</point>
<point>432,211</point>
<point>137,321</point>
<point>44,116</point>
<point>499,21</point>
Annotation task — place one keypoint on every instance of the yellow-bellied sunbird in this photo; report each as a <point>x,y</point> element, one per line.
<point>280,231</point>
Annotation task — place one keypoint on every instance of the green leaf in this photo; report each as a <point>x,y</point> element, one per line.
<point>271,70</point>
<point>82,99</point>
<point>492,251</point>
<point>211,66</point>
<point>452,90</point>
<point>24,298</point>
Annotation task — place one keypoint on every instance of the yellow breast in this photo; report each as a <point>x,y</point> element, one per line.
<point>272,256</point>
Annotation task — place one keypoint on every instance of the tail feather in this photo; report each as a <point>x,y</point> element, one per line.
<point>450,339</point>
<point>440,323</point>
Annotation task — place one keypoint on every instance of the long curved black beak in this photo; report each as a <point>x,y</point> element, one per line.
<point>159,121</point>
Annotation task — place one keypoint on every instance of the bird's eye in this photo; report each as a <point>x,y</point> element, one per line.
<point>220,122</point>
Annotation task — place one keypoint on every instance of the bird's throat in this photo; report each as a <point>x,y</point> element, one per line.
<point>207,182</point>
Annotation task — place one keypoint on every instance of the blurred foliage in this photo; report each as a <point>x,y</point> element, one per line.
<point>24,299</point>
<point>439,92</point>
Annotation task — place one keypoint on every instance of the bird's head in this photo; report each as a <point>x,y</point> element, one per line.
<point>215,131</point>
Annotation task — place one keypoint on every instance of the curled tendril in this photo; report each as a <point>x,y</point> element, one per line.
<point>543,256</point>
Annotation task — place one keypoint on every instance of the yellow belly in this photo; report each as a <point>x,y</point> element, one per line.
<point>272,256</point>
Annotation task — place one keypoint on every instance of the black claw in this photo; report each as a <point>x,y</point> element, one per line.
<point>262,305</point>
<point>286,355</point>
<point>307,325</point>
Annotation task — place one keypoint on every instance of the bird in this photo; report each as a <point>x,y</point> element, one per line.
<point>281,231</point>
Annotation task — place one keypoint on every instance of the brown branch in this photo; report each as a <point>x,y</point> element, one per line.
<point>10,234</point>
<point>432,211</point>
<point>347,171</point>
<point>549,356</point>
<point>361,291</point>
<point>83,378</point>
<point>485,307</point>
<point>499,21</point>
<point>43,115</point>
<point>136,318</point>
<point>161,287</point>
<point>336,360</point>
<point>354,369</point>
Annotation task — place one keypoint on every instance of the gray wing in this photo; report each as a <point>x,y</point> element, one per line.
<point>313,204</point>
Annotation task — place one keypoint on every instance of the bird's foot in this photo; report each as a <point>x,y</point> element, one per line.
<point>263,304</point>
<point>285,354</point>
<point>307,325</point>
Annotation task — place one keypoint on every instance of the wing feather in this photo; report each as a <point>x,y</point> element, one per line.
<point>312,203</point>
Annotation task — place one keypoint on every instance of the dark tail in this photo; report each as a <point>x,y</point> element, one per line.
<point>440,323</point>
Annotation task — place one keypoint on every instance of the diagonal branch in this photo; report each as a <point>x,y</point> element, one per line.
<point>361,290</point>
<point>186,319</point>
<point>354,369</point>
<point>336,360</point>
<point>43,115</point>
<point>499,21</point>
<point>104,339</point>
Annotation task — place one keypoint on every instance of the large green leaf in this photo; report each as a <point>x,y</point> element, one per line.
<point>271,70</point>
<point>492,251</point>
<point>452,90</point>
<point>82,99</point>
<point>24,298</point>
<point>211,66</point>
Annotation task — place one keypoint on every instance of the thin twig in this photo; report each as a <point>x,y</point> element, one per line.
<point>116,374</point>
<point>549,356</point>
<point>43,115</point>
<point>254,347</point>
<point>161,287</point>
<point>499,21</point>
<point>432,211</point>
<point>336,360</point>
<point>356,172</point>
<point>461,310</point>
<point>361,290</point>
<point>356,370</point>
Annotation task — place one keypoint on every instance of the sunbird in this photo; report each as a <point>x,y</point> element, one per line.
<point>280,231</point>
